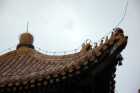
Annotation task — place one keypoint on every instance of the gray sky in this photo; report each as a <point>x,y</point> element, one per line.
<point>64,24</point>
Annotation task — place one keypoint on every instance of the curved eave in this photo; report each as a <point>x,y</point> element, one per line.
<point>65,66</point>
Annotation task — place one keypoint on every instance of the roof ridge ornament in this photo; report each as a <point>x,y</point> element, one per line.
<point>26,39</point>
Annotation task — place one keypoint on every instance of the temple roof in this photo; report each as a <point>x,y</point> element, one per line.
<point>26,64</point>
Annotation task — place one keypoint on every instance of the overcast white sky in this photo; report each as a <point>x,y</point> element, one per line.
<point>64,24</point>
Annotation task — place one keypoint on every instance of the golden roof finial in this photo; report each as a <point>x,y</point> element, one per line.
<point>26,38</point>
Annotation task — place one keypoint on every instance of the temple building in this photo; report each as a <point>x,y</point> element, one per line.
<point>91,70</point>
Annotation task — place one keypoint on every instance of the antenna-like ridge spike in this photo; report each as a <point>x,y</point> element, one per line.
<point>27,27</point>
